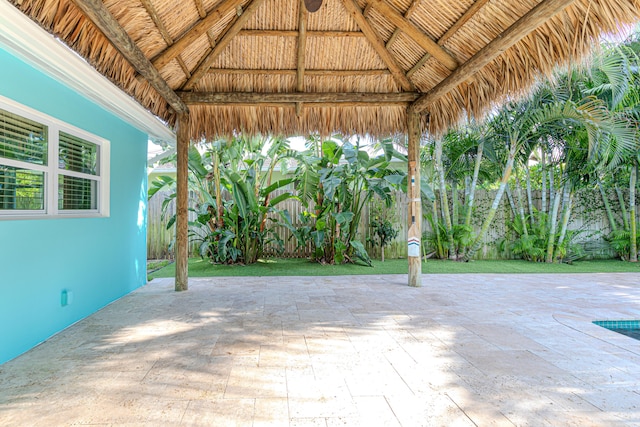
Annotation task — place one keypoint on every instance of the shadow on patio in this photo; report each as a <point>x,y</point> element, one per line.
<point>362,350</point>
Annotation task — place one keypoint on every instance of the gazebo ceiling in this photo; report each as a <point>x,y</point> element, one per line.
<point>353,66</point>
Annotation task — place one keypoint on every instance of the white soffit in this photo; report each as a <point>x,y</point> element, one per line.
<point>29,42</point>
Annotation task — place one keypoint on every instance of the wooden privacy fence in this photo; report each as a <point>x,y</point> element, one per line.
<point>588,219</point>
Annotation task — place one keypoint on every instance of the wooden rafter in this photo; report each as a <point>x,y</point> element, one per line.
<point>407,15</point>
<point>416,34</point>
<point>468,14</point>
<point>293,72</point>
<point>227,35</point>
<point>97,12</point>
<point>191,35</point>
<point>183,66</point>
<point>195,98</point>
<point>153,13</point>
<point>378,45</point>
<point>201,10</point>
<point>512,35</point>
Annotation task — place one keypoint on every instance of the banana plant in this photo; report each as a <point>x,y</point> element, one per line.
<point>234,194</point>
<point>336,185</point>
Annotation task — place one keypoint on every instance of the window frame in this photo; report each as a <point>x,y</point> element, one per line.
<point>52,170</point>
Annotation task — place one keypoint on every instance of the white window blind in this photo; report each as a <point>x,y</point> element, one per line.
<point>22,139</point>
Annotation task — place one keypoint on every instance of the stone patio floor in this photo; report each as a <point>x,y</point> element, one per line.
<point>462,350</point>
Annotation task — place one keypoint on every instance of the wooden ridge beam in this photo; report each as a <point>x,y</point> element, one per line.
<point>227,35</point>
<point>301,106</point>
<point>378,45</point>
<point>308,72</point>
<point>302,45</point>
<point>97,13</point>
<point>195,98</point>
<point>191,35</point>
<point>466,16</point>
<point>294,33</point>
<point>416,34</point>
<point>512,35</point>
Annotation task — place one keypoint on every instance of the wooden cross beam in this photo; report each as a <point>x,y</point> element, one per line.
<point>199,98</point>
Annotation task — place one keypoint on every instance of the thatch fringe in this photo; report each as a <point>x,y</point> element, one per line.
<point>65,21</point>
<point>565,39</point>
<point>210,122</point>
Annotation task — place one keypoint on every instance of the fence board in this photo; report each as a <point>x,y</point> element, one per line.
<point>588,220</point>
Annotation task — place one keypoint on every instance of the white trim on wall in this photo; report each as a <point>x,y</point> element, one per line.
<point>51,169</point>
<point>25,39</point>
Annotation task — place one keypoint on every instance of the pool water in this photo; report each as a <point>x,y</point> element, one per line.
<point>630,328</point>
<point>633,333</point>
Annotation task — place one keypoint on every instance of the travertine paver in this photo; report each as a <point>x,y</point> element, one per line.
<point>462,350</point>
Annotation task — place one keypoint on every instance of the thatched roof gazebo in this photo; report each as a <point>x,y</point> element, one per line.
<point>214,67</point>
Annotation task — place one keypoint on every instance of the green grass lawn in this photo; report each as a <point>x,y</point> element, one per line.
<point>300,267</point>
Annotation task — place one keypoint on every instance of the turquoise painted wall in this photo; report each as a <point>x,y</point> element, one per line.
<point>98,259</point>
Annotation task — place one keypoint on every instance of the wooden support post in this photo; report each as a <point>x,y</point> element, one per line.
<point>182,203</point>
<point>414,235</point>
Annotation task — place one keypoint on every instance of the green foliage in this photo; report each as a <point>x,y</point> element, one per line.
<point>383,223</point>
<point>383,232</point>
<point>620,241</point>
<point>233,189</point>
<point>335,187</point>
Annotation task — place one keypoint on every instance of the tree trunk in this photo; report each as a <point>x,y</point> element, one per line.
<point>474,182</point>
<point>477,243</point>
<point>521,214</point>
<point>436,231</point>
<point>566,213</point>
<point>532,219</point>
<point>218,190</point>
<point>552,227</point>
<point>607,206</point>
<point>454,202</point>
<point>543,201</point>
<point>633,248</point>
<point>444,202</point>
<point>552,190</point>
<point>623,208</point>
<point>512,203</point>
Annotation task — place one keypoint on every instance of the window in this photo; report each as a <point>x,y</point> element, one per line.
<point>49,168</point>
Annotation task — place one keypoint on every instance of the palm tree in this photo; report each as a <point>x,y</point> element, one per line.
<point>613,78</point>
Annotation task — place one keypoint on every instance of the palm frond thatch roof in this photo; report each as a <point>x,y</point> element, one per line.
<point>354,66</point>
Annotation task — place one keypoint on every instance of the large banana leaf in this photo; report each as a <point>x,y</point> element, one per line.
<point>281,198</point>
<point>276,185</point>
